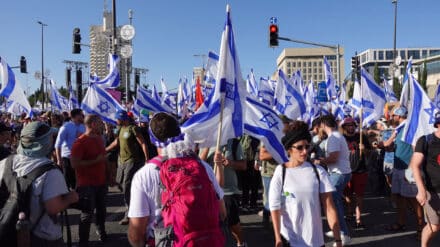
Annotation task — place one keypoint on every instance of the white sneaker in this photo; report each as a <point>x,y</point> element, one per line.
<point>329,234</point>
<point>346,240</point>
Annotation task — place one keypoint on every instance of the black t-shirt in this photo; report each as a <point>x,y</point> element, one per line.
<point>357,162</point>
<point>432,155</point>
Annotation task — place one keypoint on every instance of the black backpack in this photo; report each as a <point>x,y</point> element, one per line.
<point>15,195</point>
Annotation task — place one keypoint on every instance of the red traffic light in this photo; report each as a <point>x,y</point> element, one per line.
<point>273,28</point>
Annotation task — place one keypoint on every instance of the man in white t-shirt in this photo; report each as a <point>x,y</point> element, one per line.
<point>337,161</point>
<point>145,203</point>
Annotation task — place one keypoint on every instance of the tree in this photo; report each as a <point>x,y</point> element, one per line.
<point>350,90</point>
<point>423,76</point>
<point>376,74</point>
<point>397,87</point>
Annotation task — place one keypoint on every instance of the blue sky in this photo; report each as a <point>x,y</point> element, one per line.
<point>170,32</point>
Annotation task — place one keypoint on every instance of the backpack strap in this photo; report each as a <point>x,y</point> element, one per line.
<point>158,160</point>
<point>315,169</point>
<point>283,177</point>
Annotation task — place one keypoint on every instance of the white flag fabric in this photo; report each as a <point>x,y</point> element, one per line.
<point>329,80</point>
<point>264,124</point>
<point>100,102</point>
<point>58,101</point>
<point>73,101</point>
<point>437,97</point>
<point>373,99</point>
<point>288,100</point>
<point>230,87</point>
<point>144,100</point>
<point>421,112</point>
<point>266,92</point>
<point>405,90</point>
<point>251,84</point>
<point>389,93</point>
<point>211,68</point>
<point>112,79</point>
<point>167,100</point>
<point>11,88</point>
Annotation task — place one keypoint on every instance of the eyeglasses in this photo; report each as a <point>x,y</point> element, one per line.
<point>301,147</point>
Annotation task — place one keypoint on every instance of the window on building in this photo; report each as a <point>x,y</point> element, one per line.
<point>424,53</point>
<point>293,64</point>
<point>315,70</point>
<point>315,77</point>
<point>320,63</point>
<point>310,64</point>
<point>289,71</point>
<point>310,70</point>
<point>389,55</point>
<point>374,55</point>
<point>403,54</point>
<point>415,54</point>
<point>434,52</point>
<point>380,55</point>
<point>314,64</point>
<point>288,64</point>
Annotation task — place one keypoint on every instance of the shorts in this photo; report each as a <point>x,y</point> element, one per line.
<point>400,186</point>
<point>388,168</point>
<point>357,183</point>
<point>232,209</point>
<point>432,208</point>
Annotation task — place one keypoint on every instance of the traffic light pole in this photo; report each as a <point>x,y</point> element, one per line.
<point>336,47</point>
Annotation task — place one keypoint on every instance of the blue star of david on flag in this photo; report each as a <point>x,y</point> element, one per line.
<point>430,112</point>
<point>103,106</point>
<point>269,120</point>
<point>229,90</point>
<point>288,100</point>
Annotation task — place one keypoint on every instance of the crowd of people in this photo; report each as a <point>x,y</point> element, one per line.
<point>170,184</point>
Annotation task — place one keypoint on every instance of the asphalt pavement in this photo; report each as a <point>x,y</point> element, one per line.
<point>378,213</point>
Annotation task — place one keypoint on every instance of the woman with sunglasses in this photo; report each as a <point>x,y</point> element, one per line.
<point>297,191</point>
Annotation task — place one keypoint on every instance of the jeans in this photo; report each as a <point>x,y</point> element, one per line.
<point>339,181</point>
<point>69,173</point>
<point>124,175</point>
<point>95,196</point>
<point>266,185</point>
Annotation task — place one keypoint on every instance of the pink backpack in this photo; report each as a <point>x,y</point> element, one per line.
<point>190,203</point>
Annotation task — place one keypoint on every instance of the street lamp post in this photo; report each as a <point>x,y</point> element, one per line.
<point>395,27</point>
<point>42,60</point>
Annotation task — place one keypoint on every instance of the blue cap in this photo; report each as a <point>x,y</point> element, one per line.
<point>400,111</point>
<point>122,115</point>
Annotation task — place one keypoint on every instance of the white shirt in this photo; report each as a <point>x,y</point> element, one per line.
<point>337,143</point>
<point>299,203</point>
<point>145,197</point>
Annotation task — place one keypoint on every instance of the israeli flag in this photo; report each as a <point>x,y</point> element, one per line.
<point>288,101</point>
<point>389,93</point>
<point>11,88</point>
<point>298,82</point>
<point>112,79</point>
<point>73,101</point>
<point>437,97</point>
<point>168,101</point>
<point>421,112</point>
<point>311,101</point>
<point>373,99</point>
<point>264,124</point>
<point>251,84</point>
<point>182,98</point>
<point>144,100</point>
<point>229,88</point>
<point>211,68</point>
<point>329,79</point>
<point>100,102</point>
<point>266,92</point>
<point>58,101</point>
<point>404,101</point>
<point>155,94</point>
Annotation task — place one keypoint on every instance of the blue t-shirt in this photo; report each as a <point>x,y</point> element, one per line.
<point>402,153</point>
<point>389,156</point>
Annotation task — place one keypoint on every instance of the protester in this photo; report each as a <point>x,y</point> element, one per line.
<point>145,207</point>
<point>425,160</point>
<point>63,145</point>
<point>338,163</point>
<point>359,151</point>
<point>5,140</point>
<point>403,191</point>
<point>266,165</point>
<point>50,194</point>
<point>89,160</point>
<point>133,153</point>
<point>297,191</point>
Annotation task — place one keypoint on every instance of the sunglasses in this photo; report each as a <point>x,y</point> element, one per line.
<point>301,147</point>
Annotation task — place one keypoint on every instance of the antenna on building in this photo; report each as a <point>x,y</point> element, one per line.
<point>105,6</point>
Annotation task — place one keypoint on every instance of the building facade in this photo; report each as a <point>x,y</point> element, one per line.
<point>310,62</point>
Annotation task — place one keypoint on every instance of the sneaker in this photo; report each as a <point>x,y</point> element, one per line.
<point>329,234</point>
<point>102,236</point>
<point>346,240</point>
<point>260,213</point>
<point>124,221</point>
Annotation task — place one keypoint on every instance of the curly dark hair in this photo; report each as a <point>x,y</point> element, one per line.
<point>164,126</point>
<point>296,131</point>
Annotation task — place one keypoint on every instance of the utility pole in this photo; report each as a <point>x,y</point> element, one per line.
<point>42,62</point>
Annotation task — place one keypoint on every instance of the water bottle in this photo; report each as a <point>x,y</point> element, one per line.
<point>23,228</point>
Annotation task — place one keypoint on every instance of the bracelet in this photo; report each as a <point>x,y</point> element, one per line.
<point>338,240</point>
